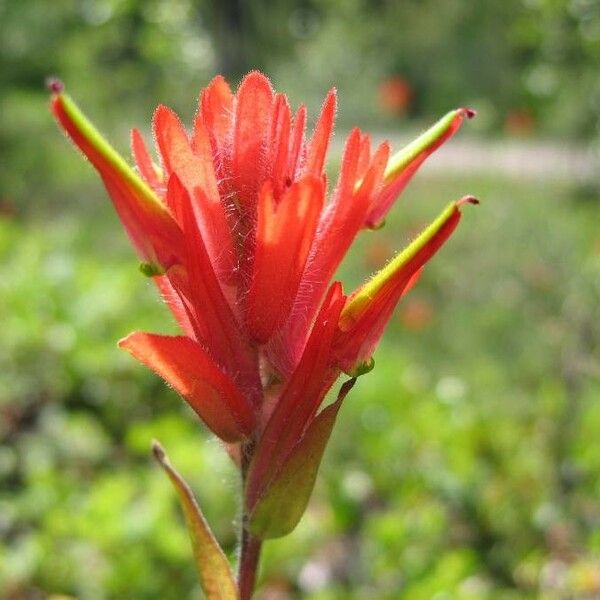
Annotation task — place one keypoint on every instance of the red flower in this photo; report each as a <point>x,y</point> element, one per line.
<point>238,230</point>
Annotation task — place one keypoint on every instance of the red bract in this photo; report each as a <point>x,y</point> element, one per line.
<point>242,236</point>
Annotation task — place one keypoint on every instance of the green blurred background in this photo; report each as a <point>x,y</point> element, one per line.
<point>467,464</point>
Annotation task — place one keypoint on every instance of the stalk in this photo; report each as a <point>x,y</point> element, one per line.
<point>250,546</point>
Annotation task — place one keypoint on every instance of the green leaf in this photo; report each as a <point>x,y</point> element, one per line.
<point>283,503</point>
<point>213,567</point>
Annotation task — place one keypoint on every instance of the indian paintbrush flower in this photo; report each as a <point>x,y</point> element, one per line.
<point>242,234</point>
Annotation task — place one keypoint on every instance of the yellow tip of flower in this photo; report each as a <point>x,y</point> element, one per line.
<point>429,138</point>
<point>425,241</point>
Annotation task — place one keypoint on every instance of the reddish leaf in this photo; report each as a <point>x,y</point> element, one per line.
<point>148,170</point>
<point>317,149</point>
<point>194,169</point>
<point>212,565</point>
<point>216,112</point>
<point>300,399</point>
<point>279,145</point>
<point>284,501</point>
<point>207,306</point>
<point>340,222</point>
<point>186,366</point>
<point>297,143</point>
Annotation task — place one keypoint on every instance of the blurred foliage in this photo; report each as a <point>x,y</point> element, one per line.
<point>527,65</point>
<point>465,466</point>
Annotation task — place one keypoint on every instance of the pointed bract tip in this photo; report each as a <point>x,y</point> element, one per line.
<point>158,451</point>
<point>54,85</point>
<point>347,386</point>
<point>254,78</point>
<point>467,200</point>
<point>469,112</point>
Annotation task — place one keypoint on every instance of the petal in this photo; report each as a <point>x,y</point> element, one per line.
<point>317,149</point>
<point>252,117</point>
<point>284,235</point>
<point>186,366</point>
<point>300,399</point>
<point>194,168</point>
<point>148,170</point>
<point>369,308</point>
<point>152,230</point>
<point>297,143</point>
<point>405,163</point>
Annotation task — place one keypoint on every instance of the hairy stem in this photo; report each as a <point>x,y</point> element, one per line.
<point>250,546</point>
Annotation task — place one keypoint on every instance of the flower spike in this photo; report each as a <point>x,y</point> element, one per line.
<point>237,233</point>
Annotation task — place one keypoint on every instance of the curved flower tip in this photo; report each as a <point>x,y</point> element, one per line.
<point>54,85</point>
<point>150,226</point>
<point>468,199</point>
<point>403,165</point>
<point>369,308</point>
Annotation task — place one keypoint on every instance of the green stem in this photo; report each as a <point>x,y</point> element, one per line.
<point>250,546</point>
<point>249,557</point>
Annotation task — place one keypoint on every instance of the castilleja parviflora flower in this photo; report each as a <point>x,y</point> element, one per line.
<point>242,233</point>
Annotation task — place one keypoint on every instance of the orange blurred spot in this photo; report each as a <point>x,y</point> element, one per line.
<point>378,252</point>
<point>519,121</point>
<point>395,95</point>
<point>416,313</point>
